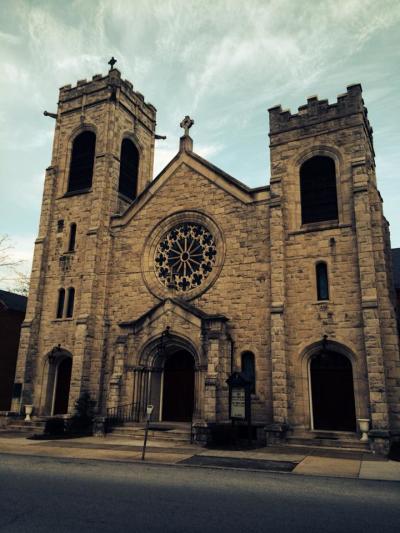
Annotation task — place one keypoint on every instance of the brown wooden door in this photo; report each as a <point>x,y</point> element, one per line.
<point>62,387</point>
<point>178,391</point>
<point>332,392</point>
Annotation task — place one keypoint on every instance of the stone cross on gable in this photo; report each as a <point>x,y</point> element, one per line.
<point>186,124</point>
<point>112,62</point>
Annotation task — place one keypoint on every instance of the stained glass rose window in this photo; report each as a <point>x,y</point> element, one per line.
<point>185,256</point>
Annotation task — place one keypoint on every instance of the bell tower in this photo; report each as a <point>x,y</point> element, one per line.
<point>102,159</point>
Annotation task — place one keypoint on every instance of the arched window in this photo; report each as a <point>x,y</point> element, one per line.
<point>70,303</point>
<point>60,304</point>
<point>321,272</point>
<point>82,162</point>
<point>249,369</point>
<point>72,237</point>
<point>318,190</point>
<point>128,170</point>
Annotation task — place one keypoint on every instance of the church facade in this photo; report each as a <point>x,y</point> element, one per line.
<point>154,291</point>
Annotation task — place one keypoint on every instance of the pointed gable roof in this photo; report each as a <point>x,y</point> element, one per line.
<point>221,179</point>
<point>171,303</point>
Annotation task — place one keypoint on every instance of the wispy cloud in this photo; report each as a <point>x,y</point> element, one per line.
<point>222,61</point>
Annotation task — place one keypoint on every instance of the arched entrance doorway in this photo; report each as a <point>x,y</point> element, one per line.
<point>332,392</point>
<point>63,382</point>
<point>178,387</point>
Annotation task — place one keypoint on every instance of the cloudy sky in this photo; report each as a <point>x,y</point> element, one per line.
<point>224,62</point>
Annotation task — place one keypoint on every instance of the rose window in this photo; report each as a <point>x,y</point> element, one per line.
<point>185,256</point>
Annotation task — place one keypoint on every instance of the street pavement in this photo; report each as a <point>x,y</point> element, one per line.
<point>293,460</point>
<point>63,495</point>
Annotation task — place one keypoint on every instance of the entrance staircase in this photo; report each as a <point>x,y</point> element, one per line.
<point>18,425</point>
<point>159,432</point>
<point>338,440</point>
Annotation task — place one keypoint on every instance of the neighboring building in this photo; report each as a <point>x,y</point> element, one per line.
<point>153,291</point>
<point>12,313</point>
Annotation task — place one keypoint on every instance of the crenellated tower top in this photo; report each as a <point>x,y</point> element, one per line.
<point>317,111</point>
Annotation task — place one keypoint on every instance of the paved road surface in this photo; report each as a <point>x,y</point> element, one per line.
<point>59,495</point>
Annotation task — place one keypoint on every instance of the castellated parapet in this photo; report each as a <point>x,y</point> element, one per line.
<point>105,88</point>
<point>315,111</point>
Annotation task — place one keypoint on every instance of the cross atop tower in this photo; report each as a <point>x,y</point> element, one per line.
<point>112,62</point>
<point>186,124</point>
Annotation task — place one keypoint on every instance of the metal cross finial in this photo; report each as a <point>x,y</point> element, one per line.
<point>186,124</point>
<point>112,62</point>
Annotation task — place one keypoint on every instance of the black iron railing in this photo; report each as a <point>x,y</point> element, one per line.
<point>123,413</point>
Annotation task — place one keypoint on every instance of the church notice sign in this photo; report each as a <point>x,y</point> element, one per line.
<point>238,403</point>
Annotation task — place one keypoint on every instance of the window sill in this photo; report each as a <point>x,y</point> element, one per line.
<point>69,319</point>
<point>122,196</point>
<point>319,226</point>
<point>76,193</point>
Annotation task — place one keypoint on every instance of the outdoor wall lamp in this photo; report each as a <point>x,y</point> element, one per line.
<point>53,353</point>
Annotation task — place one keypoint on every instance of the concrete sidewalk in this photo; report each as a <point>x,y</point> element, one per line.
<point>301,461</point>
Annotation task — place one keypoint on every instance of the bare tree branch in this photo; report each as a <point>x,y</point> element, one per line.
<point>9,268</point>
<point>6,260</point>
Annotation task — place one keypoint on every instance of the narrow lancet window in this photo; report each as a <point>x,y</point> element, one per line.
<point>321,271</point>
<point>70,303</point>
<point>128,170</point>
<point>72,237</point>
<point>249,369</point>
<point>82,162</point>
<point>60,303</point>
<point>318,190</point>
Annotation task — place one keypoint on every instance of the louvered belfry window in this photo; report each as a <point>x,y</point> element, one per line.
<point>128,170</point>
<point>318,190</point>
<point>82,162</point>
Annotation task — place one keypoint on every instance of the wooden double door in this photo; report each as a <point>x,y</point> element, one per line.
<point>332,392</point>
<point>178,387</point>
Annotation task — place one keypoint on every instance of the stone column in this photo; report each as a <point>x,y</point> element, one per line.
<point>369,303</point>
<point>278,334</point>
<point>114,391</point>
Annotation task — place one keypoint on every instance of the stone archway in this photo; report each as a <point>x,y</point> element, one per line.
<point>332,392</point>
<point>168,377</point>
<point>178,387</point>
<point>62,386</point>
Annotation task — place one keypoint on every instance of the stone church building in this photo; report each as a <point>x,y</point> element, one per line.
<point>153,291</point>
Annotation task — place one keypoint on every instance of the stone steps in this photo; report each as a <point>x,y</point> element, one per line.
<point>20,426</point>
<point>337,440</point>
<point>157,432</point>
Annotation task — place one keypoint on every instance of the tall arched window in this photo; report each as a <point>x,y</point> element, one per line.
<point>249,369</point>
<point>321,272</point>
<point>72,237</point>
<point>82,162</point>
<point>70,302</point>
<point>60,303</point>
<point>128,170</point>
<point>318,190</point>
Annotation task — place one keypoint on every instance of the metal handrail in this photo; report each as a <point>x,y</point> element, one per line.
<point>123,413</point>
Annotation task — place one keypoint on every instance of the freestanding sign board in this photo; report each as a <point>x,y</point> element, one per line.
<point>238,403</point>
<point>240,400</point>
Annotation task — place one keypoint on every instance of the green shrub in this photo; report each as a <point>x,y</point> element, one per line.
<point>82,420</point>
<point>54,427</point>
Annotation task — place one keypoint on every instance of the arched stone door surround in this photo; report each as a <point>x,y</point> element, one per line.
<point>167,362</point>
<point>309,370</point>
<point>332,392</point>
<point>57,371</point>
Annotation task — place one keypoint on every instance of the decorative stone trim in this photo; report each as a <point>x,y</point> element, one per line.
<point>369,304</point>
<point>277,308</point>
